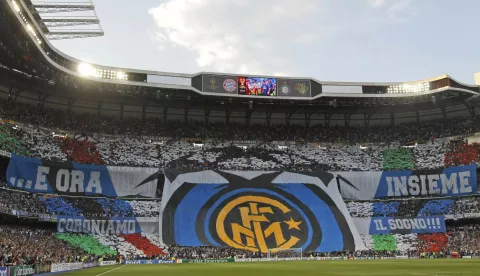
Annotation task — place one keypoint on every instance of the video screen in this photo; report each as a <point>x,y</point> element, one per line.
<point>257,86</point>
<point>219,84</point>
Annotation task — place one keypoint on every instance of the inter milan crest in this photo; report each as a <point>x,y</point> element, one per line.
<point>254,213</point>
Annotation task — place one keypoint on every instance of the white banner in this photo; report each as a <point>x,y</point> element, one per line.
<point>66,267</point>
<point>105,263</point>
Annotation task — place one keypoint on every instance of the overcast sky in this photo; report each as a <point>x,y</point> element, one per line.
<point>330,40</point>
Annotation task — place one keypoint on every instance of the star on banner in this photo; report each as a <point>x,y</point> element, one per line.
<point>293,224</point>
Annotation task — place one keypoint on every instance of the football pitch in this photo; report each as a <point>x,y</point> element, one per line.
<point>437,267</point>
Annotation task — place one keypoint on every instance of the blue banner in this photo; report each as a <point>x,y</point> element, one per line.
<point>3,271</point>
<point>135,262</point>
<point>104,226</point>
<point>452,181</point>
<point>43,176</point>
<point>407,225</point>
<point>256,211</point>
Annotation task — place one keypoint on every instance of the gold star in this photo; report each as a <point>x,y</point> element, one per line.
<point>293,224</point>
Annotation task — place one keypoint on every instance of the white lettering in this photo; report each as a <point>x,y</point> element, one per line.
<point>96,226</point>
<point>78,226</point>
<point>400,186</point>
<point>122,227</point>
<point>61,225</point>
<point>414,223</point>
<point>76,185</point>
<point>465,186</point>
<point>398,223</point>
<point>390,187</point>
<point>433,184</point>
<point>63,174</point>
<point>449,184</point>
<point>102,227</point>
<point>392,225</point>
<point>422,224</point>
<point>94,182</point>
<point>41,183</point>
<point>110,229</point>
<point>70,225</point>
<point>86,226</point>
<point>13,180</point>
<point>423,184</point>
<point>29,185</point>
<point>413,184</point>
<point>20,183</point>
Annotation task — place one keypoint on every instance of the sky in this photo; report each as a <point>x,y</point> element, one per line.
<point>330,40</point>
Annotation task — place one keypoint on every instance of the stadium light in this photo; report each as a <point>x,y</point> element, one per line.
<point>408,88</point>
<point>87,70</point>
<point>121,75</point>
<point>15,6</point>
<point>29,27</point>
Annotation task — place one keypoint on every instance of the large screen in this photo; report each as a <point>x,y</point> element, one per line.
<point>219,84</point>
<point>257,86</point>
<point>293,88</point>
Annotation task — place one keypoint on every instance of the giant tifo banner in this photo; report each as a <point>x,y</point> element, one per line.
<point>256,211</point>
<point>42,176</point>
<point>452,181</point>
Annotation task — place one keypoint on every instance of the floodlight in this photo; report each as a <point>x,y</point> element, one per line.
<point>121,75</point>
<point>86,70</point>
<point>29,28</point>
<point>15,6</point>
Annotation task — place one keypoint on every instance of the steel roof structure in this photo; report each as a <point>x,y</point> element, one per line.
<point>31,67</point>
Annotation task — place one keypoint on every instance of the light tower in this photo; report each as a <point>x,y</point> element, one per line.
<point>57,27</point>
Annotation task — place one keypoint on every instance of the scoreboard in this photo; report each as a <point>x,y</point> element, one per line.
<point>256,86</point>
<point>298,88</point>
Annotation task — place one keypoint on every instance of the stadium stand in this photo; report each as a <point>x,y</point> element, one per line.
<point>178,153</point>
<point>87,243</point>
<point>77,206</point>
<point>120,245</point>
<point>144,244</point>
<point>27,245</point>
<point>56,131</point>
<point>133,150</point>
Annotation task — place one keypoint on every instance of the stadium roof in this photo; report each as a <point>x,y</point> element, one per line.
<point>52,73</point>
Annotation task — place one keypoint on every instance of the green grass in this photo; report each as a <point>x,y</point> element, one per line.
<point>437,267</point>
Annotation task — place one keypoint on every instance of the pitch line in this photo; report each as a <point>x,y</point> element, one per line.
<point>110,270</point>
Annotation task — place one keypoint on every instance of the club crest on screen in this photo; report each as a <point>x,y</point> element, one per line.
<point>212,84</point>
<point>285,89</point>
<point>230,85</point>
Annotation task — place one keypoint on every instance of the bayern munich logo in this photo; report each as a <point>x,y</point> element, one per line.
<point>229,85</point>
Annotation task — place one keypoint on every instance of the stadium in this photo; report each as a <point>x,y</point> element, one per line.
<point>119,171</point>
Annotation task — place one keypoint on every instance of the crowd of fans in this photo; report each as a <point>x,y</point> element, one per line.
<point>20,245</point>
<point>416,207</point>
<point>90,123</point>
<point>35,204</point>
<point>59,136</point>
<point>183,154</point>
<point>85,138</point>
